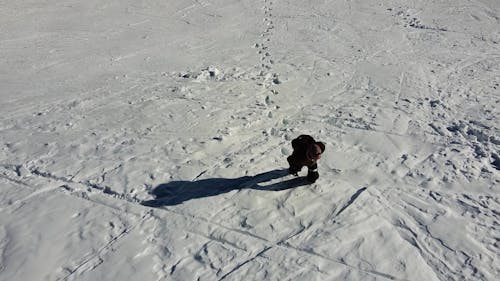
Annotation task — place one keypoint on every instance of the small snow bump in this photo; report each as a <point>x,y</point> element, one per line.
<point>453,128</point>
<point>434,103</point>
<point>496,161</point>
<point>185,75</point>
<point>268,100</point>
<point>494,140</point>
<point>22,171</point>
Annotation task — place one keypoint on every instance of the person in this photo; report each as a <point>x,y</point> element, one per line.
<point>306,152</point>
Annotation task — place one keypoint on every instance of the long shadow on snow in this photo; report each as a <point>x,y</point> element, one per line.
<point>176,192</point>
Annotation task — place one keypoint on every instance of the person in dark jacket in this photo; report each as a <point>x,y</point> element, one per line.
<point>306,152</point>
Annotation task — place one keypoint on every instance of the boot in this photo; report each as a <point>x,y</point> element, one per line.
<point>312,176</point>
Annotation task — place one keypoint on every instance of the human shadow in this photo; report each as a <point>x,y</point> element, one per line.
<point>176,192</point>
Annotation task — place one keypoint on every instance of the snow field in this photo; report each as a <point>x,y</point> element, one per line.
<point>191,106</point>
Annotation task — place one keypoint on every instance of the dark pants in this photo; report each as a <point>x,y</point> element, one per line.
<point>296,166</point>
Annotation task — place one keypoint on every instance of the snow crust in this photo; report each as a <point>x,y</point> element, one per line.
<point>147,140</point>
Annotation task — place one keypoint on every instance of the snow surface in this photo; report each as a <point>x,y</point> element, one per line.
<point>147,140</point>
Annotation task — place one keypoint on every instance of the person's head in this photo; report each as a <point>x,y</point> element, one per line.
<point>314,151</point>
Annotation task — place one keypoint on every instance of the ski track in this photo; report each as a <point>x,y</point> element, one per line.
<point>418,235</point>
<point>93,261</point>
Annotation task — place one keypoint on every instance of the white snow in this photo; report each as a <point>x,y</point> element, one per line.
<point>147,140</point>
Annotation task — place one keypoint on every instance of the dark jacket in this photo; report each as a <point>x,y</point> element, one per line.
<point>299,158</point>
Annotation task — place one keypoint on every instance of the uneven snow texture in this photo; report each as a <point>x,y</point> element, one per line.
<point>147,140</point>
